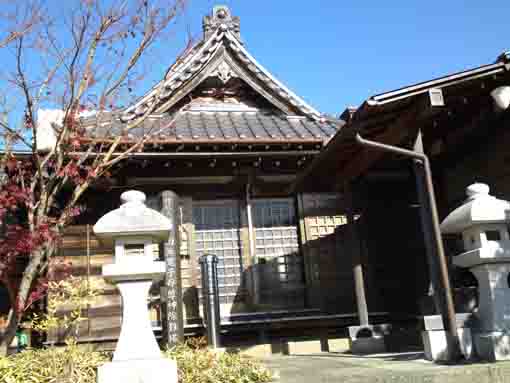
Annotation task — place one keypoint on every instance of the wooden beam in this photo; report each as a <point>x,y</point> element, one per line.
<point>403,127</point>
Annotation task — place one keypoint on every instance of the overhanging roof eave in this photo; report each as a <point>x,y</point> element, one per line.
<point>440,82</point>
<point>378,105</point>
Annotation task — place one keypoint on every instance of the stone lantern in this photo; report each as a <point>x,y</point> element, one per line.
<point>483,222</point>
<point>133,229</point>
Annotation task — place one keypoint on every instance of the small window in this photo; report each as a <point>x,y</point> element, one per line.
<point>493,235</point>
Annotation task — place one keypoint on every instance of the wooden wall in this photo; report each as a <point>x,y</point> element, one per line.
<point>328,265</point>
<point>488,162</point>
<point>325,247</point>
<point>87,259</point>
<point>397,272</point>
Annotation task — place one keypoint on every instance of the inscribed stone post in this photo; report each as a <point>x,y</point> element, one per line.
<point>171,292</point>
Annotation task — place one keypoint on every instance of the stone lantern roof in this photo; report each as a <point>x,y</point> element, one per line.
<point>479,208</point>
<point>133,218</point>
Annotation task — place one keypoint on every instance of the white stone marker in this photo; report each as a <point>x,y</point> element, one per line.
<point>133,229</point>
<point>483,222</point>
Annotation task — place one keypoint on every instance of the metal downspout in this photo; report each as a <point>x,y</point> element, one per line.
<point>451,321</point>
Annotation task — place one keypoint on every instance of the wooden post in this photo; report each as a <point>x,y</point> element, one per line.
<point>357,267</point>
<point>173,323</point>
<point>443,297</point>
<point>255,283</point>
<point>313,294</point>
<point>426,223</point>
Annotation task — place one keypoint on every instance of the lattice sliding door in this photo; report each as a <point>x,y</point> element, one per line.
<point>217,232</point>
<point>280,264</point>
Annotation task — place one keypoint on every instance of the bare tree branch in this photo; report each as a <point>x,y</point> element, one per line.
<point>77,66</point>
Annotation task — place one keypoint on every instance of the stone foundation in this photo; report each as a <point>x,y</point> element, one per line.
<point>368,339</point>
<point>493,346</point>
<point>136,371</point>
<point>435,344</point>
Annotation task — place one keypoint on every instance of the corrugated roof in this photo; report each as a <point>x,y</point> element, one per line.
<point>214,126</point>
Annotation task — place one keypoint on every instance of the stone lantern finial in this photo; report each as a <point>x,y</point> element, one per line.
<point>133,196</point>
<point>477,190</point>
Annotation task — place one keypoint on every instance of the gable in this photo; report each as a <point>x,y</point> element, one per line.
<point>220,56</point>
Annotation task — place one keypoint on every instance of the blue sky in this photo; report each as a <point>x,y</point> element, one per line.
<point>336,53</point>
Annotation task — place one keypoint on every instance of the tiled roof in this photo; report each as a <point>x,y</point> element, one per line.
<point>244,126</point>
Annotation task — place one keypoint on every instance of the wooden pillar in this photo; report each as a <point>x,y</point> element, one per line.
<point>171,294</point>
<point>426,224</point>
<point>357,266</point>
<point>254,269</point>
<point>313,295</point>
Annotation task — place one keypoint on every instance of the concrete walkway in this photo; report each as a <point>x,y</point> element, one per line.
<point>394,368</point>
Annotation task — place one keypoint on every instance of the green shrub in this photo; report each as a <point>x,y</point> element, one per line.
<point>78,364</point>
<point>70,364</point>
<point>74,294</point>
<point>200,365</point>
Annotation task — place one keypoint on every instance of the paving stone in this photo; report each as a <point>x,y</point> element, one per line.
<point>382,368</point>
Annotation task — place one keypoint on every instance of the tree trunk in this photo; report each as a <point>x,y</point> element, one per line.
<point>29,275</point>
<point>10,331</point>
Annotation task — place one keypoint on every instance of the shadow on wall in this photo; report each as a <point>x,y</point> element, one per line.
<point>275,284</point>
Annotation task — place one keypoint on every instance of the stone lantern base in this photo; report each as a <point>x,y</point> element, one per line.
<point>493,346</point>
<point>435,338</point>
<point>136,371</point>
<point>368,339</point>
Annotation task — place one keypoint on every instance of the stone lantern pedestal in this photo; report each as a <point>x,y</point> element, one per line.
<point>483,223</point>
<point>133,229</point>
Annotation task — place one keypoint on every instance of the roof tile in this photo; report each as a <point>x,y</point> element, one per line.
<point>218,126</point>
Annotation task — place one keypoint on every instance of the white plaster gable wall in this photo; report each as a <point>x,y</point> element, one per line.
<point>46,120</point>
<point>46,135</point>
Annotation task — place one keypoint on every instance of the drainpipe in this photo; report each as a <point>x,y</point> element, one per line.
<point>451,322</point>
